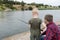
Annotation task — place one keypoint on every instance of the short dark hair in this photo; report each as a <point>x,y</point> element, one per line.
<point>49,18</point>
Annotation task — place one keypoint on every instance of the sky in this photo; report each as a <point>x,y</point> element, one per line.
<point>48,2</point>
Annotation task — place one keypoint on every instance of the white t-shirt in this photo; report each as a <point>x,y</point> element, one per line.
<point>43,27</point>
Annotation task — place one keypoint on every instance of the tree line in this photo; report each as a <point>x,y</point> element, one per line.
<point>10,4</point>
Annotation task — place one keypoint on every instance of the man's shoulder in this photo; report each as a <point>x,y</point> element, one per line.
<point>53,26</point>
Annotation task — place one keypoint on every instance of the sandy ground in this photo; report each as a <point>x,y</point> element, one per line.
<point>22,36</point>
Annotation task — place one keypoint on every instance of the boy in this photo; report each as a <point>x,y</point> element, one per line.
<point>35,25</point>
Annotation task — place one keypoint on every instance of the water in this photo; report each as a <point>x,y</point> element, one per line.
<point>10,23</point>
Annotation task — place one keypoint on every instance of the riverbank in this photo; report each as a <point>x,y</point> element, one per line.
<point>14,9</point>
<point>49,8</point>
<point>11,26</point>
<point>22,36</point>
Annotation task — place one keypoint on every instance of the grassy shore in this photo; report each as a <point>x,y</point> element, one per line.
<point>2,8</point>
<point>49,8</point>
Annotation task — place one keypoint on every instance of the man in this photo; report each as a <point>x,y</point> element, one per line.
<point>35,25</point>
<point>52,29</point>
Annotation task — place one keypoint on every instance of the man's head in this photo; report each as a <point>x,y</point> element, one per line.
<point>35,12</point>
<point>48,18</point>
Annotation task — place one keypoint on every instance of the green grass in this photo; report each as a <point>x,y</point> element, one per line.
<point>49,8</point>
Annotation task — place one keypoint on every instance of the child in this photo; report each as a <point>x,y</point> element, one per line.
<point>35,23</point>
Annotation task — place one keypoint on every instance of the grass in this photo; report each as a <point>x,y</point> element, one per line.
<point>48,8</point>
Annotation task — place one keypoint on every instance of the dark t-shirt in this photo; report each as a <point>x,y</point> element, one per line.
<point>35,23</point>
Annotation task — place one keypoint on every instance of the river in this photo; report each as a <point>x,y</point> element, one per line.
<point>11,24</point>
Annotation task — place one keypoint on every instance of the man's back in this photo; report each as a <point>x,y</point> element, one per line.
<point>52,29</point>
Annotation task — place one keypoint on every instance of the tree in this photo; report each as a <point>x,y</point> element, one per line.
<point>41,4</point>
<point>59,6</point>
<point>16,3</point>
<point>33,3</point>
<point>1,1</point>
<point>46,6</point>
<point>8,3</point>
<point>22,4</point>
<point>30,8</point>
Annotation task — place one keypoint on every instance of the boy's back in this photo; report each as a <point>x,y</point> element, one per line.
<point>35,28</point>
<point>35,23</point>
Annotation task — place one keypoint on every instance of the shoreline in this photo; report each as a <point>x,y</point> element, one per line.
<point>26,10</point>
<point>21,36</point>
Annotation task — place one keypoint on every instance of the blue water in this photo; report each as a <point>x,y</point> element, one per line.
<point>10,23</point>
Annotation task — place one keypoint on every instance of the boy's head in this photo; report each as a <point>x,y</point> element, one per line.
<point>48,18</point>
<point>35,12</point>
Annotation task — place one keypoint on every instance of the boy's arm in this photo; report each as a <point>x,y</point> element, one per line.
<point>29,23</point>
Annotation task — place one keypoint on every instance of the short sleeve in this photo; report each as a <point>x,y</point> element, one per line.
<point>40,21</point>
<point>29,21</point>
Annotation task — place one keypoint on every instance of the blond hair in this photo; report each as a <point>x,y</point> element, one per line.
<point>35,10</point>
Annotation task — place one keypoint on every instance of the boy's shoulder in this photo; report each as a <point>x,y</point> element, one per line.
<point>35,19</point>
<point>32,19</point>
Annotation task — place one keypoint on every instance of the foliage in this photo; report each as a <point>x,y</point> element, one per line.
<point>9,4</point>
<point>30,8</point>
<point>59,6</point>
<point>22,4</point>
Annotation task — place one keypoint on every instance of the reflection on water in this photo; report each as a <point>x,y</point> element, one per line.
<point>2,15</point>
<point>11,25</point>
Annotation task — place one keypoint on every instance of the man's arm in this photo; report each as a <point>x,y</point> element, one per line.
<point>49,34</point>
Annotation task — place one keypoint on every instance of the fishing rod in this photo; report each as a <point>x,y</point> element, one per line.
<point>23,21</point>
<point>22,4</point>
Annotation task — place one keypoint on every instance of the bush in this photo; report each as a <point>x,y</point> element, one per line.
<point>30,8</point>
<point>59,6</point>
